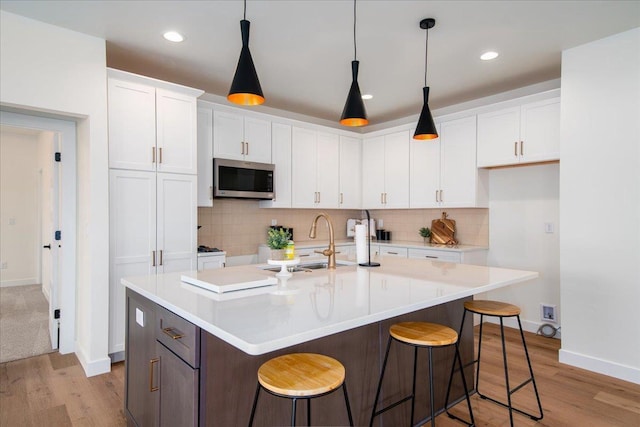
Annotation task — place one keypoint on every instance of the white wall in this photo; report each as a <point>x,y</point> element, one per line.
<point>19,228</point>
<point>47,68</point>
<point>600,206</point>
<point>522,200</point>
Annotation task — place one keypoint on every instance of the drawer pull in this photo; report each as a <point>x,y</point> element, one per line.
<point>152,362</point>
<point>301,255</point>
<point>173,333</point>
<point>392,253</point>
<point>431,256</point>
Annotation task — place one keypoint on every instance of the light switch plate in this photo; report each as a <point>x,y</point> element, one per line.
<point>140,317</point>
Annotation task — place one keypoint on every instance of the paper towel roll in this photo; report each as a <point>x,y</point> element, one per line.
<point>361,243</point>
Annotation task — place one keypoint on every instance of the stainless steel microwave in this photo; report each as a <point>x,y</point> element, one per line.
<point>243,180</point>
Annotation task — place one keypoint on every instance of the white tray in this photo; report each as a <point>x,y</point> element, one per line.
<point>222,280</point>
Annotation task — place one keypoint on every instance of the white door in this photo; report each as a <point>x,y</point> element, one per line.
<point>51,248</point>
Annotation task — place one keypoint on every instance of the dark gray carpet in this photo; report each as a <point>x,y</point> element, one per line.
<point>24,323</point>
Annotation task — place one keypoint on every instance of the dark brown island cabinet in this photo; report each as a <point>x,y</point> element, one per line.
<point>178,374</point>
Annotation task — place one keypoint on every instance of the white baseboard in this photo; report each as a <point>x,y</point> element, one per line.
<point>19,282</point>
<point>92,367</point>
<point>601,366</point>
<point>47,295</point>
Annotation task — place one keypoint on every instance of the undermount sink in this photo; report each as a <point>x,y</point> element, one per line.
<point>318,265</point>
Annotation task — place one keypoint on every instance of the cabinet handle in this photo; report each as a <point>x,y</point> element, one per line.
<point>173,333</point>
<point>318,197</point>
<point>153,258</point>
<point>241,147</point>
<point>382,198</point>
<point>153,154</point>
<point>152,362</point>
<point>160,155</point>
<point>441,200</point>
<point>210,192</point>
<point>392,253</point>
<point>515,148</point>
<point>437,196</point>
<point>430,256</point>
<point>302,255</point>
<point>341,198</point>
<point>522,148</point>
<point>160,257</point>
<point>247,153</point>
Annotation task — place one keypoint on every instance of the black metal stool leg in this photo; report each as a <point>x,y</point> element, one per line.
<point>477,361</point>
<point>293,411</point>
<point>384,366</point>
<point>506,371</point>
<point>431,397</point>
<point>346,401</point>
<point>413,387</point>
<point>308,412</point>
<point>255,404</point>
<point>533,380</point>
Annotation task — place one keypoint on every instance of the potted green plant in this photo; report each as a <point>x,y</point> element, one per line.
<point>277,240</point>
<point>425,232</point>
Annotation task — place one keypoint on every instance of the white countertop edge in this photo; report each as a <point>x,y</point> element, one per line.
<point>256,349</point>
<point>406,244</point>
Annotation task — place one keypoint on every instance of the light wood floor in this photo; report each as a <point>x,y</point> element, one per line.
<point>52,390</point>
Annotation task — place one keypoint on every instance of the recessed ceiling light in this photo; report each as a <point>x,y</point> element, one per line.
<point>488,56</point>
<point>173,36</point>
<point>367,96</point>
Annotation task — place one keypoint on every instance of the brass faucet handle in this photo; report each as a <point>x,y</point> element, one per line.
<point>325,252</point>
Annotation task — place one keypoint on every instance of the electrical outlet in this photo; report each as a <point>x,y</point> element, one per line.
<point>548,227</point>
<point>4,265</point>
<point>274,222</point>
<point>548,313</point>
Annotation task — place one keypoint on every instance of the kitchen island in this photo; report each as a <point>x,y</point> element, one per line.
<point>223,338</point>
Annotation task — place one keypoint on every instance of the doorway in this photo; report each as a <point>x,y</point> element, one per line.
<point>49,232</point>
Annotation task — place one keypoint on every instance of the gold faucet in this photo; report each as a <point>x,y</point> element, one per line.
<point>331,251</point>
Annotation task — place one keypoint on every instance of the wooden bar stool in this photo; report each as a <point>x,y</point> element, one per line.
<point>500,310</point>
<point>421,335</point>
<point>301,376</point>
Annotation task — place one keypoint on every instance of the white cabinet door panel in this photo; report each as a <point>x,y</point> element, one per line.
<point>132,240</point>
<point>257,137</point>
<point>176,119</point>
<point>373,156</point>
<point>281,158</point>
<point>303,168</point>
<point>540,131</point>
<point>458,163</point>
<point>396,170</point>
<point>228,135</point>
<point>132,125</point>
<point>424,181</point>
<point>350,173</point>
<point>328,170</point>
<point>498,137</point>
<point>177,222</point>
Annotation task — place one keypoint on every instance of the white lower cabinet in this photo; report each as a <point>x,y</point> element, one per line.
<point>463,257</point>
<point>397,251</point>
<point>153,230</point>
<point>211,260</point>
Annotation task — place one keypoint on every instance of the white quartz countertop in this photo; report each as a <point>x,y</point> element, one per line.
<point>318,303</point>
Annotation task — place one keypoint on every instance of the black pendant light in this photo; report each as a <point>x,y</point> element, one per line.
<point>245,88</point>
<point>426,128</point>
<point>354,113</point>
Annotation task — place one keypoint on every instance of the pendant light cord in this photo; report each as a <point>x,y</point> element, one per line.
<point>426,52</point>
<point>245,10</point>
<point>355,48</point>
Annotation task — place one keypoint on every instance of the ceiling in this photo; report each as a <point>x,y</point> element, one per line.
<point>302,49</point>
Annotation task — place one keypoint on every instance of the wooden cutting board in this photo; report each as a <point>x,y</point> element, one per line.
<point>443,231</point>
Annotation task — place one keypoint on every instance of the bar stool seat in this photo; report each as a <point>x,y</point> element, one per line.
<point>301,376</point>
<point>421,335</point>
<point>501,310</point>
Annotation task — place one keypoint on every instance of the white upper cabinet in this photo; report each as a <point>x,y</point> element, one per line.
<point>315,163</point>
<point>350,173</point>
<point>443,171</point>
<point>237,137</point>
<point>522,134</point>
<point>281,158</point>
<point>385,171</point>
<point>151,128</point>
<point>205,157</point>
